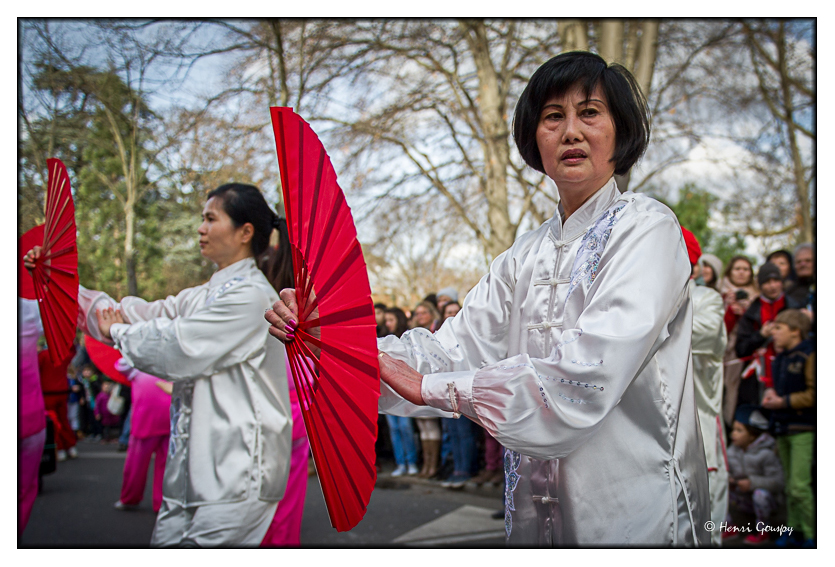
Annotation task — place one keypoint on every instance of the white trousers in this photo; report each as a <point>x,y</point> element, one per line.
<point>235,524</point>
<point>238,524</point>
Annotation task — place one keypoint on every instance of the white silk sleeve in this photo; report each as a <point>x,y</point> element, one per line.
<point>547,407</point>
<point>88,301</point>
<point>228,331</point>
<point>477,336</point>
<point>136,309</point>
<point>133,309</point>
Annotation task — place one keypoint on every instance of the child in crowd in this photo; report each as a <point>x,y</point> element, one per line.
<point>109,422</point>
<point>74,401</point>
<point>792,401</point>
<point>91,387</point>
<point>754,471</point>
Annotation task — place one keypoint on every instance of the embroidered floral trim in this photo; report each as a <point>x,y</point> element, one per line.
<point>432,367</point>
<point>516,366</point>
<point>420,352</point>
<point>429,336</point>
<point>512,460</point>
<point>586,363</point>
<point>542,393</point>
<point>573,400</point>
<point>223,289</point>
<point>594,242</point>
<point>580,384</point>
<point>577,383</point>
<point>579,334</point>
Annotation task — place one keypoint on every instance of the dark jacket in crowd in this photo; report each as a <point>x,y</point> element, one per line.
<point>800,290</point>
<point>794,378</point>
<point>748,337</point>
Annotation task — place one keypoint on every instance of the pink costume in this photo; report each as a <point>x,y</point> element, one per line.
<point>31,424</point>
<point>149,434</point>
<point>101,411</point>
<point>286,527</point>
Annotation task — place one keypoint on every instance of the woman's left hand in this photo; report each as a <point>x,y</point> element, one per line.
<point>402,378</point>
<point>107,318</point>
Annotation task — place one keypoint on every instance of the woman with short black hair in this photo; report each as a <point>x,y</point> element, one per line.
<point>574,351</point>
<point>586,71</point>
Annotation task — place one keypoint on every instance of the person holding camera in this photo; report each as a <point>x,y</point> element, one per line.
<point>738,288</point>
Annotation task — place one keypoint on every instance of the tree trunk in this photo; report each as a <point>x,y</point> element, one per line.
<point>802,188</point>
<point>496,141</point>
<point>573,35</point>
<point>639,59</point>
<point>282,65</point>
<point>647,51</point>
<point>611,41</point>
<point>130,252</point>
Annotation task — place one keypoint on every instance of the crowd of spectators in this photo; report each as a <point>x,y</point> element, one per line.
<point>452,452</point>
<point>769,403</point>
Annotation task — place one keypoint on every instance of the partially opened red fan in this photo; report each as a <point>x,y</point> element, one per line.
<point>56,271</point>
<point>28,240</point>
<point>340,388</point>
<point>105,358</point>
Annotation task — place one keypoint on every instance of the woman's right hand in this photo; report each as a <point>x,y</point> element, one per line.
<point>284,316</point>
<point>30,258</point>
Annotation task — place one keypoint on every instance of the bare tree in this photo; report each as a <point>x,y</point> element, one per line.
<point>435,108</point>
<point>783,63</point>
<point>106,78</point>
<point>432,108</point>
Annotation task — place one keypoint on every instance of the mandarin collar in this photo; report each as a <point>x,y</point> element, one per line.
<point>588,212</point>
<point>239,268</point>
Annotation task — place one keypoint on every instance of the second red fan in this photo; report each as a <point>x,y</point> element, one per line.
<point>55,277</point>
<point>333,358</point>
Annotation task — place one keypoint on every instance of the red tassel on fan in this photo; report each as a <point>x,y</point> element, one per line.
<point>55,277</point>
<point>340,388</point>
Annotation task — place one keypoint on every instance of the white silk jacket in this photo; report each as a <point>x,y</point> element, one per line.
<point>574,353</point>
<point>709,342</point>
<point>230,409</point>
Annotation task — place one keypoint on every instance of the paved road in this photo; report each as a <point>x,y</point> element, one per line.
<point>75,509</point>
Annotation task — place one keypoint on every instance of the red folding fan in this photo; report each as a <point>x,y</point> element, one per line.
<point>105,358</point>
<point>339,389</point>
<point>55,276</point>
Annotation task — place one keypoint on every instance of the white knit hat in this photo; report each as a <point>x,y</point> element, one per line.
<point>449,292</point>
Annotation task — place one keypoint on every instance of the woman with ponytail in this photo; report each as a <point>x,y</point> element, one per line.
<point>231,420</point>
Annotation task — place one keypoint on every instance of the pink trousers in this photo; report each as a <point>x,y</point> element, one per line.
<point>286,527</point>
<point>136,469</point>
<point>29,451</point>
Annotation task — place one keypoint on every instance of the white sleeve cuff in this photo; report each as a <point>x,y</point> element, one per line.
<point>435,390</point>
<point>116,332</point>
